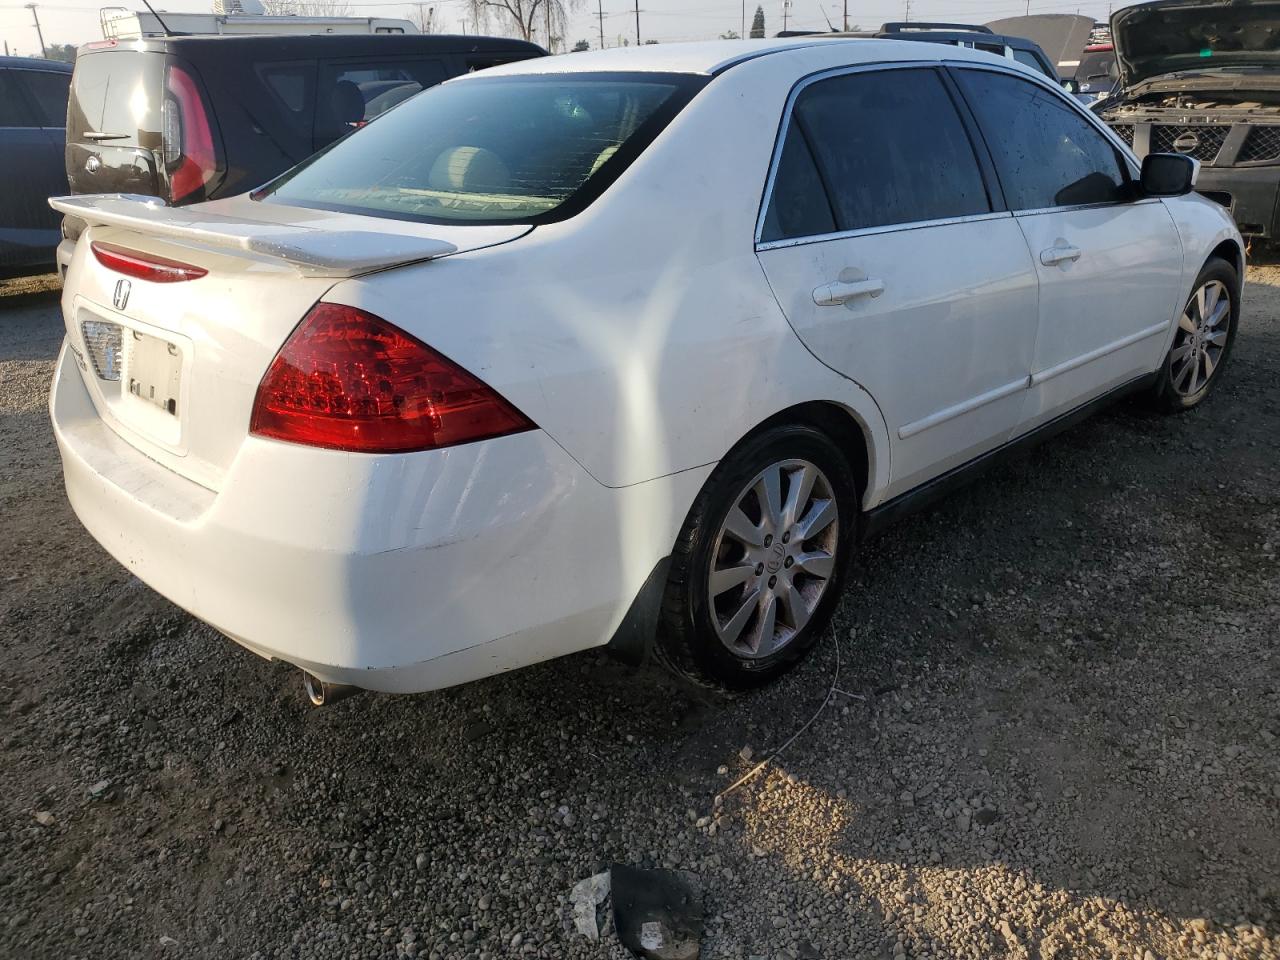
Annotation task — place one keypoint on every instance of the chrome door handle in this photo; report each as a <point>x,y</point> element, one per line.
<point>1056,255</point>
<point>834,294</point>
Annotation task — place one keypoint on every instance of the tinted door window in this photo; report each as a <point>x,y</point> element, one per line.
<point>13,108</point>
<point>48,93</point>
<point>352,94</point>
<point>1046,154</point>
<point>798,206</point>
<point>891,149</point>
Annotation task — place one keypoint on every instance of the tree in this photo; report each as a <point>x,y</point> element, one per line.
<point>65,52</point>
<point>525,17</point>
<point>757,24</point>
<point>731,35</point>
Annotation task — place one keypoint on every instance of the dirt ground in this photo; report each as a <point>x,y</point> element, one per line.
<point>1058,736</point>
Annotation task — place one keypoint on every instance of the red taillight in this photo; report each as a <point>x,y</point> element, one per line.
<point>348,380</point>
<point>144,266</point>
<point>188,138</point>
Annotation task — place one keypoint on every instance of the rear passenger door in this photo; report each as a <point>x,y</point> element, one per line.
<point>1109,265</point>
<point>896,263</point>
<point>350,93</point>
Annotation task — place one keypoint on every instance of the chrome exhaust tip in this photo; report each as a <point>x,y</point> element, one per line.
<point>321,693</point>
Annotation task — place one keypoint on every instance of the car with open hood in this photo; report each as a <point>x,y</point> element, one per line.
<point>1202,78</point>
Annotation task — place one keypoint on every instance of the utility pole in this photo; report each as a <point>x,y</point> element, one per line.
<point>786,7</point>
<point>36,17</point>
<point>546,8</point>
<point>906,17</point>
<point>637,23</point>
<point>743,34</point>
<point>600,16</point>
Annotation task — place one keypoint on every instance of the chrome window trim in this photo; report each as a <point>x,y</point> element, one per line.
<point>875,231</point>
<point>785,124</point>
<point>1142,201</point>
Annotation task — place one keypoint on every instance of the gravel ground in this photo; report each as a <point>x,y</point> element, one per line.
<point>1058,737</point>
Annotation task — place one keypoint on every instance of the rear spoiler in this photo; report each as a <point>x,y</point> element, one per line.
<point>311,252</point>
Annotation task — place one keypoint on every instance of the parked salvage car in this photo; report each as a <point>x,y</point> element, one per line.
<point>33,111</point>
<point>1202,78</point>
<point>1096,74</point>
<point>622,348</point>
<point>966,35</point>
<point>191,118</point>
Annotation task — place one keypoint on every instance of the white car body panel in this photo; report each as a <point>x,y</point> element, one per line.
<point>642,336</point>
<point>919,328</point>
<point>1128,253</point>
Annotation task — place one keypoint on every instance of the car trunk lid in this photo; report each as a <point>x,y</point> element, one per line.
<point>173,367</point>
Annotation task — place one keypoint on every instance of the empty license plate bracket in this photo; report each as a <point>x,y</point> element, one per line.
<point>155,371</point>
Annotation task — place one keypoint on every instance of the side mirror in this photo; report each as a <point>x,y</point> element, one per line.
<point>1071,85</point>
<point>1168,174</point>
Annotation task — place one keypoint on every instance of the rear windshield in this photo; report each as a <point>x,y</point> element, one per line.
<point>117,93</point>
<point>525,149</point>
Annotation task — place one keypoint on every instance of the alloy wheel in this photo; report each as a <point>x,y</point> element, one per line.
<point>774,558</point>
<point>1201,338</point>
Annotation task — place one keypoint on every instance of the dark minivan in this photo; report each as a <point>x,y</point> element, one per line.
<point>33,109</point>
<point>191,118</point>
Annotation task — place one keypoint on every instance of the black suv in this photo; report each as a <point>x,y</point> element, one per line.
<point>191,118</point>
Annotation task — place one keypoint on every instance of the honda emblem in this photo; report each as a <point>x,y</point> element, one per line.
<point>121,296</point>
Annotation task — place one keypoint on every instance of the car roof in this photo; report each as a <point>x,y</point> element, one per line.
<point>38,63</point>
<point>710,57</point>
<point>306,44</point>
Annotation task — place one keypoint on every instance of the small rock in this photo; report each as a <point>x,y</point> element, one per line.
<point>99,788</point>
<point>746,754</point>
<point>986,816</point>
<point>45,818</point>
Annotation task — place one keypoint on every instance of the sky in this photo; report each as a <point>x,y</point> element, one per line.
<point>76,21</point>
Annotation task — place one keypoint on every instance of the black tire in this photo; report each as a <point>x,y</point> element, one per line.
<point>1166,396</point>
<point>688,639</point>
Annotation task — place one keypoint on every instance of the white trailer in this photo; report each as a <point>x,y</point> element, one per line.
<point>119,23</point>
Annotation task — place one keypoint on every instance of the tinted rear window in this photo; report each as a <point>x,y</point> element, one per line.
<point>117,92</point>
<point>505,149</point>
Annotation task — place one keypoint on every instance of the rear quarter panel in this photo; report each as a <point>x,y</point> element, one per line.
<point>640,334</point>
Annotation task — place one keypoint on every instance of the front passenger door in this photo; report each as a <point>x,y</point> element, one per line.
<point>1110,266</point>
<point>896,265</point>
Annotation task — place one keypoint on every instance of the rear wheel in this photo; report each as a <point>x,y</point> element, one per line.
<point>1202,343</point>
<point>756,572</point>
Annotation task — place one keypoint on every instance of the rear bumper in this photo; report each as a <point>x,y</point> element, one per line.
<point>1249,193</point>
<point>393,573</point>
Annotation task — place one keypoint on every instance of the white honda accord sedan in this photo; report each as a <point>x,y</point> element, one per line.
<point>625,348</point>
